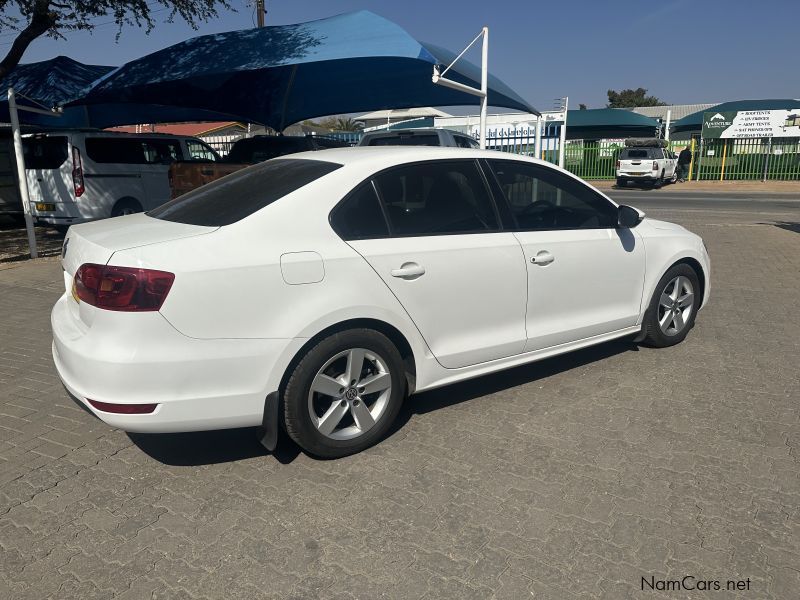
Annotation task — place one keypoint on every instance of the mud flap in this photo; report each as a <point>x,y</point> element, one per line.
<point>268,432</point>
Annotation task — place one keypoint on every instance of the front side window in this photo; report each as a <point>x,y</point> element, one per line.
<point>438,197</point>
<point>239,195</point>
<point>199,151</point>
<point>542,198</point>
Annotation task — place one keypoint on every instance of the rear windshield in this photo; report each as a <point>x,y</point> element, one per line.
<point>632,153</point>
<point>240,194</point>
<point>45,152</point>
<point>259,149</point>
<point>406,140</point>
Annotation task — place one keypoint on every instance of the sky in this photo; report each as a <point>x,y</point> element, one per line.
<point>682,51</point>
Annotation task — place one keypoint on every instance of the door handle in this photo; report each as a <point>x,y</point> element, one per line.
<point>409,270</point>
<point>542,258</point>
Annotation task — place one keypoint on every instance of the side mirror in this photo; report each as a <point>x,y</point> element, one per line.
<point>628,217</point>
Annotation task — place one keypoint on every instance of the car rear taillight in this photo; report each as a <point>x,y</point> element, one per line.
<point>77,172</point>
<point>655,165</point>
<point>123,409</point>
<point>121,288</point>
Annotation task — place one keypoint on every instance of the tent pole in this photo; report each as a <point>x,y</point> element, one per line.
<point>19,155</point>
<point>484,84</point>
<point>483,92</point>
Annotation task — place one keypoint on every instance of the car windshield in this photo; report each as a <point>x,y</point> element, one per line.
<point>240,194</point>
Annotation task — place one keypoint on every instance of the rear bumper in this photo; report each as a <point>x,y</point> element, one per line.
<point>65,213</point>
<point>197,384</point>
<point>634,177</point>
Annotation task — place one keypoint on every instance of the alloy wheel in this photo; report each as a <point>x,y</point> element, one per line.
<point>675,305</point>
<point>349,394</point>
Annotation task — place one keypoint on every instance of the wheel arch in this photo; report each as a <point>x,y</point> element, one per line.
<point>695,265</point>
<point>126,199</point>
<point>390,331</point>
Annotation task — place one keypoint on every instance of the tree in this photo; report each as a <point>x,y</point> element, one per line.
<point>53,18</point>
<point>340,124</point>
<point>631,98</point>
<point>582,106</point>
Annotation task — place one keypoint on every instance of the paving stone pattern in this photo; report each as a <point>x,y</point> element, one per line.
<point>571,478</point>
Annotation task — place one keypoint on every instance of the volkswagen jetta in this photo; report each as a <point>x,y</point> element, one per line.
<point>315,292</point>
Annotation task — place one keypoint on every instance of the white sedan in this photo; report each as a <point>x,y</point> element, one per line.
<point>315,292</point>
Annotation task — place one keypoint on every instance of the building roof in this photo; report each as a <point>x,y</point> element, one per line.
<point>402,113</point>
<point>678,111</point>
<point>192,129</point>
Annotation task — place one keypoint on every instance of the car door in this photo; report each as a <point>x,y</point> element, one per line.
<point>458,276</point>
<point>585,275</point>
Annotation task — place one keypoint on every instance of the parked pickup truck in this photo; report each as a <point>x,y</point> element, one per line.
<point>646,161</point>
<point>186,176</point>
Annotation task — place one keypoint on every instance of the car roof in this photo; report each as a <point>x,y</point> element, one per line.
<point>410,131</point>
<point>383,156</point>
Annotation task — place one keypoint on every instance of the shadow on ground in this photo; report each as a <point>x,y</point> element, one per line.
<point>227,445</point>
<point>14,240</point>
<point>787,225</point>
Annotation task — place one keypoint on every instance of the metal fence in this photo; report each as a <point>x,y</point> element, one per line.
<point>754,159</point>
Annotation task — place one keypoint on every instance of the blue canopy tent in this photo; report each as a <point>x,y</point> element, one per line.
<point>281,75</point>
<point>51,83</point>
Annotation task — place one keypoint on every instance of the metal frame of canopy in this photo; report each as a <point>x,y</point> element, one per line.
<point>19,156</point>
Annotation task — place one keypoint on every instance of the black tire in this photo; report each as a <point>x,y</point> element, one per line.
<point>296,413</point>
<point>126,206</point>
<point>621,183</point>
<point>651,330</point>
<point>62,229</point>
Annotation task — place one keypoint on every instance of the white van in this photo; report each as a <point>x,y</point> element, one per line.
<point>78,176</point>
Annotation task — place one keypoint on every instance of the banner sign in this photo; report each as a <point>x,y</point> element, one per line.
<point>752,123</point>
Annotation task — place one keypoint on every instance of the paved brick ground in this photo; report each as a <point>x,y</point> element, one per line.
<point>571,478</point>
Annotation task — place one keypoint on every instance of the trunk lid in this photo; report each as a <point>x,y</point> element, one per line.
<point>95,242</point>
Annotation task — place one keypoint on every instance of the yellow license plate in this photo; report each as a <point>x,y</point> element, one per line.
<point>46,206</point>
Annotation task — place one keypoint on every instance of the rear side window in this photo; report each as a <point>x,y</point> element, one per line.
<point>242,193</point>
<point>463,141</point>
<point>406,140</point>
<point>359,216</point>
<point>131,151</point>
<point>44,152</point>
<point>434,198</point>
